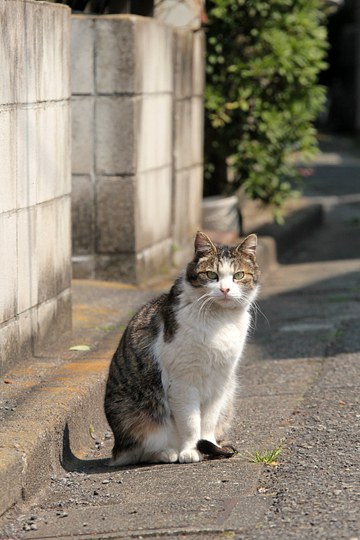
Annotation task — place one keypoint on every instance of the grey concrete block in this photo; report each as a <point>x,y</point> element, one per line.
<point>82,135</point>
<point>8,258</point>
<point>133,55</point>
<point>196,181</point>
<point>154,260</point>
<point>48,168</point>
<point>183,63</point>
<point>115,215</point>
<point>45,255</point>
<point>26,260</point>
<point>183,253</point>
<point>116,267</point>
<point>62,261</point>
<point>46,323</point>
<point>178,13</point>
<point>82,54</point>
<point>183,138</point>
<point>114,128</point>
<point>197,130</point>
<point>42,153</point>
<point>27,162</point>
<point>136,267</point>
<point>154,205</point>
<point>83,214</point>
<point>7,159</point>
<point>9,344</point>
<point>154,56</point>
<point>181,205</point>
<point>63,149</point>
<point>27,322</point>
<point>64,312</point>
<point>83,266</point>
<point>154,132</point>
<point>34,52</point>
<point>11,46</point>
<point>51,43</point>
<point>53,319</point>
<point>198,64</point>
<point>115,55</point>
<point>187,204</point>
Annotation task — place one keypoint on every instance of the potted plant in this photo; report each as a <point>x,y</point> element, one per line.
<point>262,96</point>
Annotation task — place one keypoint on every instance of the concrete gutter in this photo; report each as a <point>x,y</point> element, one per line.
<point>57,391</point>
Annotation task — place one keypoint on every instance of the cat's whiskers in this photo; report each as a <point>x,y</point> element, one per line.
<point>205,295</point>
<point>243,302</point>
<point>205,306</point>
<point>258,311</point>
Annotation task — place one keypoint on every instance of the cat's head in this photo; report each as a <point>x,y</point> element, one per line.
<point>227,275</point>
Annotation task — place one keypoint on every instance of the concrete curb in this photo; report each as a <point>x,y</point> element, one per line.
<point>32,437</point>
<point>298,224</point>
<point>31,443</point>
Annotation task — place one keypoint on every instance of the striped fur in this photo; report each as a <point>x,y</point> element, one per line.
<point>172,379</point>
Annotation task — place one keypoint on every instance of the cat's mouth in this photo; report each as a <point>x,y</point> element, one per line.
<point>225,300</point>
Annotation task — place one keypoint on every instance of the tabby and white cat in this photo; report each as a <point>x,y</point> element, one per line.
<point>172,379</point>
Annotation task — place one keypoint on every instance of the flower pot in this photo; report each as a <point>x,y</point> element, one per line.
<point>221,214</point>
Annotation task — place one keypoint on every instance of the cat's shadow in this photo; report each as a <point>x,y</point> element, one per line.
<point>71,463</point>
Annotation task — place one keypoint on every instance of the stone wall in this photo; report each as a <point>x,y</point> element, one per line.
<point>35,179</point>
<point>137,144</point>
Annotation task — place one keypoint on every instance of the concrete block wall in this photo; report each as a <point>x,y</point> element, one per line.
<point>189,49</point>
<point>130,137</point>
<point>35,176</point>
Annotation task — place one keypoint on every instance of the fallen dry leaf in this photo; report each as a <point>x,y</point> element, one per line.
<point>80,348</point>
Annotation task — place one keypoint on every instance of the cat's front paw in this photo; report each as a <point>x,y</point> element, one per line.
<point>169,455</point>
<point>190,455</point>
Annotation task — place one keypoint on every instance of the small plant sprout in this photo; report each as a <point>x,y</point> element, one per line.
<point>269,457</point>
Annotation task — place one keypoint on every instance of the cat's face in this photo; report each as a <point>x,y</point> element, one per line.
<point>224,275</point>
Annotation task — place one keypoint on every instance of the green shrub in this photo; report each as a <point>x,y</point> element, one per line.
<point>262,95</point>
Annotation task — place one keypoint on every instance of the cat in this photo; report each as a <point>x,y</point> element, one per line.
<point>172,380</point>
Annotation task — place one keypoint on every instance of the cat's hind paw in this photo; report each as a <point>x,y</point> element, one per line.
<point>214,451</point>
<point>190,455</point>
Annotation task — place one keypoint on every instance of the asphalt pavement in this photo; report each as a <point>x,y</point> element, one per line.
<point>300,396</point>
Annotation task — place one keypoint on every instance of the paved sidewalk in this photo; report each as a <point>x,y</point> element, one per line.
<point>300,389</point>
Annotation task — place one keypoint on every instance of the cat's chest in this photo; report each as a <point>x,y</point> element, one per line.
<point>207,343</point>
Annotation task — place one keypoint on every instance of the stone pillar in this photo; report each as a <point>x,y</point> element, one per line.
<point>137,123</point>
<point>35,181</point>
<point>189,74</point>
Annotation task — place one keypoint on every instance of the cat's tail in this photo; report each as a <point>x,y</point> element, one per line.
<point>213,451</point>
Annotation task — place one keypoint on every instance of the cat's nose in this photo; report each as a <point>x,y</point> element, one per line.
<point>224,290</point>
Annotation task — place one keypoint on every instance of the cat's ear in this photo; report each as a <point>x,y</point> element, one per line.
<point>203,245</point>
<point>248,245</point>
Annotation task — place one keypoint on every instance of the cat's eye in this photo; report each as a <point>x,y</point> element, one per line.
<point>212,275</point>
<point>238,276</point>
